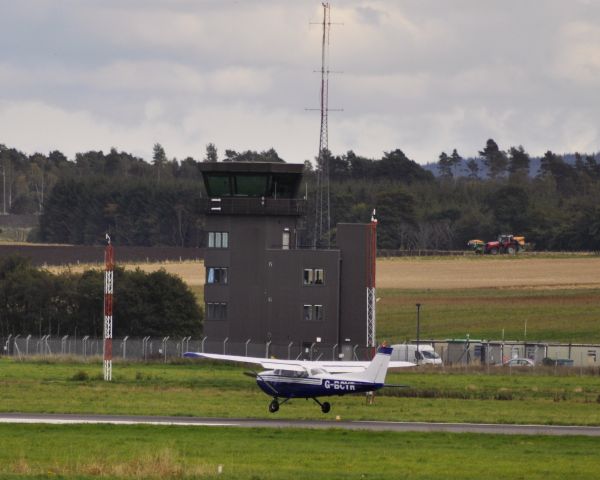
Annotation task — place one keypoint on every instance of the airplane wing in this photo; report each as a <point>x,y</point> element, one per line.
<point>269,363</point>
<point>355,366</point>
<point>295,365</point>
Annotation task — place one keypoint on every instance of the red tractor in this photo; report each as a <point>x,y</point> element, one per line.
<point>505,244</point>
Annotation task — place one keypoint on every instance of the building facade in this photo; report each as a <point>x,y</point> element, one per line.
<point>260,283</point>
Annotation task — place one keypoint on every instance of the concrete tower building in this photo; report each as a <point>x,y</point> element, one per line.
<point>260,283</point>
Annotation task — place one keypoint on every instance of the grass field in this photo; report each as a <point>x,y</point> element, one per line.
<point>208,389</point>
<point>567,315</point>
<point>557,296</point>
<point>215,390</point>
<point>92,451</point>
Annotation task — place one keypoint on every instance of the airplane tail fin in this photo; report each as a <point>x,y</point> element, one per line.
<point>377,369</point>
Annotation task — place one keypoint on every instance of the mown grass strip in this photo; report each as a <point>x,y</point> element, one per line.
<point>216,390</point>
<point>90,451</point>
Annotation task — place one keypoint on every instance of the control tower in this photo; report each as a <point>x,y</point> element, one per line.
<point>260,283</point>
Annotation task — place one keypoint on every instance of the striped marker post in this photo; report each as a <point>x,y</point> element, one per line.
<point>109,261</point>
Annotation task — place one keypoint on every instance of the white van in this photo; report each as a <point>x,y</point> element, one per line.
<point>407,352</point>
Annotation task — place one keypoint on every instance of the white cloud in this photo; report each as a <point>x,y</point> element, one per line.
<point>421,76</point>
<point>578,57</point>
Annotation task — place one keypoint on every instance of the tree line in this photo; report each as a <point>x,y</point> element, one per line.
<point>38,302</point>
<point>556,208</point>
<point>555,205</point>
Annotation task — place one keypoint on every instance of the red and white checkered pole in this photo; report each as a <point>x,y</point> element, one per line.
<point>109,261</point>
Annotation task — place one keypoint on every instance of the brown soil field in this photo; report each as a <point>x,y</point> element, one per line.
<point>190,272</point>
<point>443,273</point>
<point>481,272</point>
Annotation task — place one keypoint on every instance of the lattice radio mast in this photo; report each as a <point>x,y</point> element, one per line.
<point>322,201</point>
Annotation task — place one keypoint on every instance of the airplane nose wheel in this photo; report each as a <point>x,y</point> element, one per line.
<point>273,406</point>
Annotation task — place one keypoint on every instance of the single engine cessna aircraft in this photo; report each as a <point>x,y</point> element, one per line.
<point>308,379</point>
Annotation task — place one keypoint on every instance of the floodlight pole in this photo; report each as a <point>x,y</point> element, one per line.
<point>109,261</point>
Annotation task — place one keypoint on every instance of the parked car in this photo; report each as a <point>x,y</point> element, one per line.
<point>519,362</point>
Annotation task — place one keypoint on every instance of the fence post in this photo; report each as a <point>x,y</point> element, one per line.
<point>333,351</point>
<point>290,350</point>
<point>125,346</point>
<point>63,345</point>
<point>202,345</point>
<point>246,348</point>
<point>267,347</point>
<point>15,346</point>
<point>164,343</point>
<point>225,345</point>
<point>182,346</point>
<point>27,344</point>
<point>312,345</point>
<point>354,356</point>
<point>145,341</point>
<point>7,345</point>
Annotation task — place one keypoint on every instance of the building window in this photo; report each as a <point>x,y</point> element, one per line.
<point>216,311</point>
<point>312,313</point>
<point>318,310</point>
<point>319,276</point>
<point>313,276</point>
<point>218,240</point>
<point>216,275</point>
<point>285,239</point>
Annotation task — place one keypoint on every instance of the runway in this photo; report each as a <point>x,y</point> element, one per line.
<point>494,429</point>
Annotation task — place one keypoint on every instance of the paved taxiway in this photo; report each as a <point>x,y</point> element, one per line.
<point>320,424</point>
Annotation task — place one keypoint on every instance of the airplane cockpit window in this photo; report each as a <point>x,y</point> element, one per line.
<point>291,373</point>
<point>317,371</point>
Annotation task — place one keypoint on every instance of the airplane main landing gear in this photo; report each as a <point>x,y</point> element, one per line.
<point>274,405</point>
<point>325,406</point>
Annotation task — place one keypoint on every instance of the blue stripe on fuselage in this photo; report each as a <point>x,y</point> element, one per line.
<point>292,388</point>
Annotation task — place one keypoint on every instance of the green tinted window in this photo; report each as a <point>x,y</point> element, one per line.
<point>219,185</point>
<point>283,186</point>
<point>250,185</point>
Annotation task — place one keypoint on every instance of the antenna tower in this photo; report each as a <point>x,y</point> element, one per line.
<point>322,201</point>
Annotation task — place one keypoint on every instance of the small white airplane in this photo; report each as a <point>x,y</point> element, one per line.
<point>311,379</point>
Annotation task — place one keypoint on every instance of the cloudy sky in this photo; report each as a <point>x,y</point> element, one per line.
<point>419,75</point>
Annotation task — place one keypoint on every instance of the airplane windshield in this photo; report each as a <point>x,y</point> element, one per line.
<point>317,371</point>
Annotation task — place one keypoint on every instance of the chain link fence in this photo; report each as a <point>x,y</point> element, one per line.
<point>453,352</point>
<point>168,348</point>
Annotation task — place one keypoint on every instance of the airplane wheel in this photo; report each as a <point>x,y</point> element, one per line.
<point>273,406</point>
<point>325,407</point>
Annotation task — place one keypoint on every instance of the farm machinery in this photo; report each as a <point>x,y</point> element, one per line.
<point>504,244</point>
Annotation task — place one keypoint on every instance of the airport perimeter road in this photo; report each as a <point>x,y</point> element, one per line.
<point>321,424</point>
